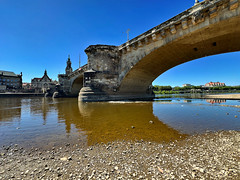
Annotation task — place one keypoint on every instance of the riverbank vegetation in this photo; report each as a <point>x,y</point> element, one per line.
<point>195,89</point>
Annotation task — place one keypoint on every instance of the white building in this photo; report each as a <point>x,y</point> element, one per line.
<point>187,85</point>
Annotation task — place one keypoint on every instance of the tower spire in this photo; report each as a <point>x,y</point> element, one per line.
<point>68,69</point>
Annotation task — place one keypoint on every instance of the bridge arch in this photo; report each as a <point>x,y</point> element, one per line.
<point>212,36</point>
<point>76,85</point>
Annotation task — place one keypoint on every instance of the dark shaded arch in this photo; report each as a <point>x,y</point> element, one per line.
<point>77,84</point>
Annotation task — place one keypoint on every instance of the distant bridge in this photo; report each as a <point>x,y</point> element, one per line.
<point>73,82</point>
<point>127,71</point>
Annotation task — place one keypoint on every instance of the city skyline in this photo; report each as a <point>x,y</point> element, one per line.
<point>39,35</point>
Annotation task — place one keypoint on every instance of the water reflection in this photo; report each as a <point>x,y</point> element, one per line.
<point>198,116</point>
<point>28,121</point>
<point>214,101</point>
<point>105,122</point>
<point>10,110</point>
<point>40,107</point>
<point>57,121</point>
<point>67,111</point>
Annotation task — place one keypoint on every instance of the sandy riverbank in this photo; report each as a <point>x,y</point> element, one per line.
<point>210,156</point>
<point>223,96</point>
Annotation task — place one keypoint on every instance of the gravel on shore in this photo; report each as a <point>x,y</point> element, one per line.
<point>207,156</point>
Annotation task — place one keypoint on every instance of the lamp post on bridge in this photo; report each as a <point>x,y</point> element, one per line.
<point>127,34</point>
<point>79,60</point>
<point>196,2</point>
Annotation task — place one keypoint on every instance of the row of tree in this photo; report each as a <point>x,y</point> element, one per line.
<point>169,88</point>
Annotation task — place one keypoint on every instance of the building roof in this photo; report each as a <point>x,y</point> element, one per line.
<point>36,79</point>
<point>8,73</point>
<point>45,75</point>
<point>40,79</point>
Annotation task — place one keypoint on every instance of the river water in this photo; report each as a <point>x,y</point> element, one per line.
<point>46,122</point>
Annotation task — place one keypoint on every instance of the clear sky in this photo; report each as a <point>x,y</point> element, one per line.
<point>39,34</point>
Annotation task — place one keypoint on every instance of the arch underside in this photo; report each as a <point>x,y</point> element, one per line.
<point>215,39</point>
<point>77,85</point>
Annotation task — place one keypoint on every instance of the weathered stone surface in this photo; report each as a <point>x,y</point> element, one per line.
<point>103,58</point>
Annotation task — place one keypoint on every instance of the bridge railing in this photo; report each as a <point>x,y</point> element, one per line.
<point>78,71</point>
<point>193,13</point>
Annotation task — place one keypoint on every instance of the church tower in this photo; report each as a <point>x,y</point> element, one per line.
<point>68,69</point>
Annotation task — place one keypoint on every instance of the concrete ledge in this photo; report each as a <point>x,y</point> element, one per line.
<point>115,98</point>
<point>21,95</point>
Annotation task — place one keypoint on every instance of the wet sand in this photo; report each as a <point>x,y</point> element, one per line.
<point>209,156</point>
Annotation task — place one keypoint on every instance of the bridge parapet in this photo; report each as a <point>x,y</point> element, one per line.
<point>78,71</point>
<point>190,17</point>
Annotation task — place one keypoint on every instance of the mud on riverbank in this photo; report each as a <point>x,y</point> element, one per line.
<point>211,156</point>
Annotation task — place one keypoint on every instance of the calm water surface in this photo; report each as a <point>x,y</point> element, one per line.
<point>50,122</point>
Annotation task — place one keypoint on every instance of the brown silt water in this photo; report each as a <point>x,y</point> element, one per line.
<point>46,122</point>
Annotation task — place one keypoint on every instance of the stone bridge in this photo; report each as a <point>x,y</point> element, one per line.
<point>127,71</point>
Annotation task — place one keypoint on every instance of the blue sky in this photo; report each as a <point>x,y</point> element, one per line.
<point>39,34</point>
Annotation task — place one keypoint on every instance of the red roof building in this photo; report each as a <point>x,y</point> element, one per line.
<point>214,84</point>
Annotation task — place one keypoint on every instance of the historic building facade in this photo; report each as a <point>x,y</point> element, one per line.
<point>42,84</point>
<point>10,80</point>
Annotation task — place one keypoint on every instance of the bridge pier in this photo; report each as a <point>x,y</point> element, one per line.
<point>88,94</point>
<point>102,85</point>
